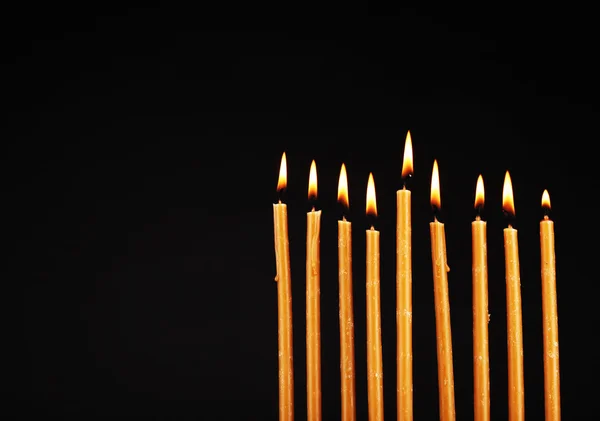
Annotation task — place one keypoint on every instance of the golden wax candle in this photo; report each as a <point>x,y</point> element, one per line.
<point>313,304</point>
<point>284,303</point>
<point>516,384</point>
<point>442,307</point>
<point>346,314</point>
<point>374,351</point>
<point>404,356</point>
<point>481,362</point>
<point>550,315</point>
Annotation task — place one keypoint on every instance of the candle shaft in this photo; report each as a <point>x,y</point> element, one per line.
<point>284,314</point>
<point>516,386</point>
<point>442,322</point>
<point>481,362</point>
<point>550,316</point>
<point>374,351</point>
<point>313,315</point>
<point>404,356</point>
<point>348,384</point>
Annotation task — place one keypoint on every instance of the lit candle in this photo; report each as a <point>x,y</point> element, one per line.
<point>374,351</point>
<point>404,357</point>
<point>442,305</point>
<point>346,304</point>
<point>516,388</point>
<point>481,361</point>
<point>550,315</point>
<point>313,302</point>
<point>284,302</point>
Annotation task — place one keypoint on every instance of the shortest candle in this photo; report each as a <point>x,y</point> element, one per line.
<point>516,384</point>
<point>346,304</point>
<point>550,315</point>
<point>374,351</point>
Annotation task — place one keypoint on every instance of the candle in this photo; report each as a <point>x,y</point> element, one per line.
<point>550,316</point>
<point>284,302</point>
<point>481,362</point>
<point>346,304</point>
<point>374,351</point>
<point>516,388</point>
<point>442,305</point>
<point>313,303</point>
<point>404,357</point>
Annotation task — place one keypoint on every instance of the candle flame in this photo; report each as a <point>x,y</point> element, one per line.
<point>546,200</point>
<point>312,181</point>
<point>371,201</point>
<point>407,163</point>
<point>508,202</point>
<point>436,200</point>
<point>282,182</point>
<point>479,193</point>
<point>343,188</point>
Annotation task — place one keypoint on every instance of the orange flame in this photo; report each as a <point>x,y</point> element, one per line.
<point>407,163</point>
<point>343,188</point>
<point>312,181</point>
<point>436,200</point>
<point>508,201</point>
<point>282,182</point>
<point>546,200</point>
<point>479,193</point>
<point>371,201</point>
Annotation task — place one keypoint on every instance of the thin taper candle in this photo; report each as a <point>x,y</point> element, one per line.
<point>346,314</point>
<point>442,306</point>
<point>284,303</point>
<point>550,315</point>
<point>374,351</point>
<point>313,303</point>
<point>514,321</point>
<point>481,361</point>
<point>404,356</point>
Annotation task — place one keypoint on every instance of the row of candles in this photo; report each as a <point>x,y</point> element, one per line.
<point>404,375</point>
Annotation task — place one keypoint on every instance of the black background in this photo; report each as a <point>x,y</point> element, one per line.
<point>141,156</point>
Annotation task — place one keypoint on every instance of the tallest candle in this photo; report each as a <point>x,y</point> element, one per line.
<point>404,357</point>
<point>313,303</point>
<point>481,360</point>
<point>514,321</point>
<point>550,315</point>
<point>284,302</point>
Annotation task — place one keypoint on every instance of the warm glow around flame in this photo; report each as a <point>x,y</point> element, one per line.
<point>282,182</point>
<point>508,202</point>
<point>436,201</point>
<point>371,202</point>
<point>312,181</point>
<point>343,188</point>
<point>479,193</point>
<point>407,163</point>
<point>546,200</point>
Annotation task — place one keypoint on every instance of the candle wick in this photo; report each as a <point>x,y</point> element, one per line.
<point>546,217</point>
<point>344,218</point>
<point>372,228</point>
<point>510,226</point>
<point>313,209</point>
<point>280,201</point>
<point>478,218</point>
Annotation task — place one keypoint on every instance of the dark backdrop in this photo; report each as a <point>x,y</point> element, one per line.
<point>140,164</point>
